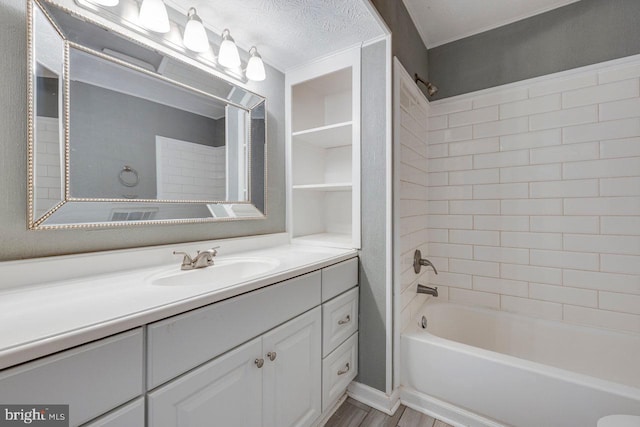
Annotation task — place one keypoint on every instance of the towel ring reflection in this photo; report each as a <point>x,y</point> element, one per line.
<point>128,176</point>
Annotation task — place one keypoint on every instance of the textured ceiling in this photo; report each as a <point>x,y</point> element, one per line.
<point>443,21</point>
<point>288,32</point>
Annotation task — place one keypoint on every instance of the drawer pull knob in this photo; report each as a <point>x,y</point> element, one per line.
<point>272,355</point>
<point>345,370</point>
<point>345,320</point>
<point>259,362</point>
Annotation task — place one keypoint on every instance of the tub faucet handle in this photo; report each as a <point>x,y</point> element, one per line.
<point>418,262</point>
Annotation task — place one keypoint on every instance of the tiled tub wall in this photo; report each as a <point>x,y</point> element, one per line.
<point>411,209</point>
<point>48,170</point>
<point>534,196</point>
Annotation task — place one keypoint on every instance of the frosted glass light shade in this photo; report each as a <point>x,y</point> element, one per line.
<point>108,3</point>
<point>195,36</point>
<point>255,67</point>
<point>228,55</point>
<point>153,16</point>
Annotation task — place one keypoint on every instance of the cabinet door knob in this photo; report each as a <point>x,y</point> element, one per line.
<point>272,355</point>
<point>345,320</point>
<point>259,362</point>
<point>345,370</point>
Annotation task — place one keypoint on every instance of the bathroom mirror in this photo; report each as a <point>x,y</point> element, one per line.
<point>121,134</point>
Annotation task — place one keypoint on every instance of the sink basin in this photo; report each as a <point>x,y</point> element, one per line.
<point>224,272</point>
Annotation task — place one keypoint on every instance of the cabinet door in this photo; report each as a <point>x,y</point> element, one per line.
<point>224,392</point>
<point>292,380</point>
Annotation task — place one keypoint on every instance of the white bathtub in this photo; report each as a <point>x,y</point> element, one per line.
<point>481,367</point>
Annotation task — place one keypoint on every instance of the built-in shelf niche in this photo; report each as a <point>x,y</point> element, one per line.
<point>324,152</point>
<point>322,102</point>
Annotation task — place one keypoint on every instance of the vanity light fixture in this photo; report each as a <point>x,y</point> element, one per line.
<point>228,55</point>
<point>255,66</point>
<point>195,36</point>
<point>153,16</point>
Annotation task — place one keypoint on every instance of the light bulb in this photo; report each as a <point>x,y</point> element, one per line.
<point>195,36</point>
<point>228,56</point>
<point>255,66</point>
<point>108,3</point>
<point>153,16</point>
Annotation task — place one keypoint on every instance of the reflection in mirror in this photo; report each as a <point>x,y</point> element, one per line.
<point>258,155</point>
<point>151,139</point>
<point>48,164</point>
<point>123,134</point>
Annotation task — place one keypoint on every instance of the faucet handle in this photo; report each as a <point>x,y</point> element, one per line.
<point>187,261</point>
<point>187,258</point>
<point>418,262</point>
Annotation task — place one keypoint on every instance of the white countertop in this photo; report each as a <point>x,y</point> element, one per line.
<point>44,318</point>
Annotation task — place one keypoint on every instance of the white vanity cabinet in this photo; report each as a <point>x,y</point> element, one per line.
<point>278,356</point>
<point>292,380</point>
<point>92,379</point>
<point>295,354</point>
<point>183,342</point>
<point>339,329</point>
<point>245,387</point>
<point>226,391</point>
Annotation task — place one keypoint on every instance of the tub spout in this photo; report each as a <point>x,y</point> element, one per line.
<point>422,289</point>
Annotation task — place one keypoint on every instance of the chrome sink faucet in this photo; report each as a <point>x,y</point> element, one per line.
<point>201,260</point>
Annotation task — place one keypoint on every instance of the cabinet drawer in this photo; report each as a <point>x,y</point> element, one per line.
<point>92,379</point>
<point>183,342</point>
<point>131,415</point>
<point>339,320</point>
<point>339,278</point>
<point>338,369</point>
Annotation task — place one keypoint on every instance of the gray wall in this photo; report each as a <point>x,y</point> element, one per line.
<point>373,260</point>
<point>16,242</point>
<point>124,133</point>
<point>406,42</point>
<point>579,34</point>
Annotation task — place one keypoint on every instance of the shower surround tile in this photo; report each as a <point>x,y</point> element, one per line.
<point>414,173</point>
<point>551,227</point>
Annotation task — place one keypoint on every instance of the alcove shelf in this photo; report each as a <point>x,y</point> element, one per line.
<point>323,145</point>
<point>339,186</point>
<point>329,136</point>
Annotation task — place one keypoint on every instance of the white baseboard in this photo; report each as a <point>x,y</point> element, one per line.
<point>443,411</point>
<point>375,398</point>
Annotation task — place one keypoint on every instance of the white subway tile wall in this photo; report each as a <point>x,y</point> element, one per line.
<point>413,207</point>
<point>187,169</point>
<point>48,169</point>
<point>534,197</point>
